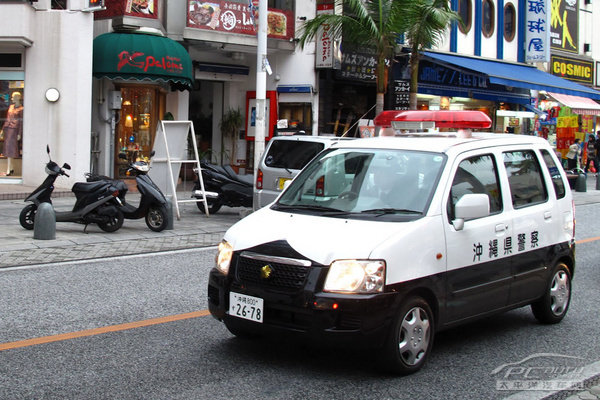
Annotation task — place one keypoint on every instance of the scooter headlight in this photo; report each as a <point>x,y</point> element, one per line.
<point>143,167</point>
<point>224,257</point>
<point>356,276</point>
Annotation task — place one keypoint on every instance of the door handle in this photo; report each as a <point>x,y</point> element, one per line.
<point>547,215</point>
<point>501,228</point>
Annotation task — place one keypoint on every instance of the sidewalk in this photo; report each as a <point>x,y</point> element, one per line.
<point>18,247</point>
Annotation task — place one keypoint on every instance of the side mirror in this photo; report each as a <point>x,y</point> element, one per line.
<point>66,166</point>
<point>470,206</point>
<point>152,153</point>
<point>123,156</point>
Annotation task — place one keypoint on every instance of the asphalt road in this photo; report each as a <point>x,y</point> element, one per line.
<point>196,358</point>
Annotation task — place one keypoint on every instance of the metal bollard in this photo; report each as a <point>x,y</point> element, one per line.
<point>580,183</point>
<point>44,226</point>
<point>169,206</point>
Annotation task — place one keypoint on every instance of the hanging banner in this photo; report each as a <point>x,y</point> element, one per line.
<point>537,36</point>
<point>566,127</point>
<point>130,8</point>
<point>327,50</point>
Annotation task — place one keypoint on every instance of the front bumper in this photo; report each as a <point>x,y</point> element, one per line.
<point>306,313</point>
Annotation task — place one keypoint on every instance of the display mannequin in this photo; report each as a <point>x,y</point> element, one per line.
<point>12,131</point>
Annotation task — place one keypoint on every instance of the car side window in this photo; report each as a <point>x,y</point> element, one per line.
<point>476,175</point>
<point>525,178</point>
<point>557,181</point>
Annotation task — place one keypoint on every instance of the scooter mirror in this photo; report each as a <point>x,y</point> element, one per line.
<point>66,166</point>
<point>123,156</point>
<point>48,150</point>
<point>152,153</point>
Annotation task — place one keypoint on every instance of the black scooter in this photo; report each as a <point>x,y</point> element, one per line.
<point>153,204</point>
<point>223,187</point>
<point>97,202</point>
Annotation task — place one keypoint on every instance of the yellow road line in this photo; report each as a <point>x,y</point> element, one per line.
<point>98,331</point>
<point>131,325</point>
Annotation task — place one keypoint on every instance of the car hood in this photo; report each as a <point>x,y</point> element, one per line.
<point>320,239</point>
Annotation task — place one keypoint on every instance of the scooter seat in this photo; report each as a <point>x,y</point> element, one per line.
<point>86,187</point>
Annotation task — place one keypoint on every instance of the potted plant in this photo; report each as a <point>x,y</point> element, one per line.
<point>230,125</point>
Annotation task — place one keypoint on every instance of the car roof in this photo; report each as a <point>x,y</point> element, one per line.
<point>443,143</point>
<point>311,138</point>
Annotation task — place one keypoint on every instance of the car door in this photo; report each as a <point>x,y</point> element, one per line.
<point>478,265</point>
<point>536,222</point>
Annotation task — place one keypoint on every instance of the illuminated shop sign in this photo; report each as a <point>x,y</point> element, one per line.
<point>572,69</point>
<point>538,31</point>
<point>564,25</point>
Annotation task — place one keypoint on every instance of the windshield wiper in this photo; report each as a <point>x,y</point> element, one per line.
<point>311,207</point>
<point>384,211</point>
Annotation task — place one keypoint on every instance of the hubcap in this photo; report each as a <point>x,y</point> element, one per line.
<point>559,293</point>
<point>414,336</point>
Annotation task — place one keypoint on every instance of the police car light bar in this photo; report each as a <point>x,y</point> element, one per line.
<point>437,118</point>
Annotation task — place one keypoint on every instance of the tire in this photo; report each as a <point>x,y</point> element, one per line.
<point>27,216</point>
<point>553,306</point>
<point>410,339</point>
<point>157,217</point>
<point>114,224</point>
<point>214,205</point>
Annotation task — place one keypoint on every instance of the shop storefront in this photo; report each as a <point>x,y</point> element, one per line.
<point>142,69</point>
<point>11,123</point>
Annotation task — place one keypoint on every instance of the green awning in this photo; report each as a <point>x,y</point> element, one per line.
<point>143,57</point>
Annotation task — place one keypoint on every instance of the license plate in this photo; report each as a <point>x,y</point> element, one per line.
<point>282,182</point>
<point>247,307</point>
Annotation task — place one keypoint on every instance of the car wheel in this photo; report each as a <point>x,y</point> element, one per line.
<point>553,306</point>
<point>410,338</point>
<point>157,218</point>
<point>27,216</point>
<point>114,224</point>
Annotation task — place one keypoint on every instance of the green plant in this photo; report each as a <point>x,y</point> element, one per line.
<point>230,125</point>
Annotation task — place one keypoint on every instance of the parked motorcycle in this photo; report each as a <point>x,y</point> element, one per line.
<point>153,204</point>
<point>223,187</point>
<point>96,202</point>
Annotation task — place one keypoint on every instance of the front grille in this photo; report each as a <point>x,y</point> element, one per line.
<point>272,272</point>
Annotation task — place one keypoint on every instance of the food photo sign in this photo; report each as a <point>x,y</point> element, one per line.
<point>226,16</point>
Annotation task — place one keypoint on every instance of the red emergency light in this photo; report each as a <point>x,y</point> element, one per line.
<point>441,118</point>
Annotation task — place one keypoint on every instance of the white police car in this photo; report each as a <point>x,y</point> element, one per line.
<point>386,241</point>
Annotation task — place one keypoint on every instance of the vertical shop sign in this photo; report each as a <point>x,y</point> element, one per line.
<point>131,8</point>
<point>538,31</point>
<point>564,25</point>
<point>402,95</point>
<point>326,48</point>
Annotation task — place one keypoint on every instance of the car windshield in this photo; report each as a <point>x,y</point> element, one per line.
<point>370,183</point>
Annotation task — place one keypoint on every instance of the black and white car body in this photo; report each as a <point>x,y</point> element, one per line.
<point>386,241</point>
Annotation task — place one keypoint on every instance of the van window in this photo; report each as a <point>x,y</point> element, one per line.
<point>557,182</point>
<point>525,178</point>
<point>476,175</point>
<point>292,154</point>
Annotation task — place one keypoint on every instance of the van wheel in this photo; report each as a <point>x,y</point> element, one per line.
<point>27,216</point>
<point>553,306</point>
<point>410,338</point>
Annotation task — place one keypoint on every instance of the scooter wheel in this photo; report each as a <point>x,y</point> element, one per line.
<point>27,216</point>
<point>114,224</point>
<point>157,218</point>
<point>213,206</point>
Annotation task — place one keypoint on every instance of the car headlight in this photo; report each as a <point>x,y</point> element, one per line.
<point>356,276</point>
<point>224,256</point>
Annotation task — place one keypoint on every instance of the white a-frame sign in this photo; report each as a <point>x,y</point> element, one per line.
<point>169,153</point>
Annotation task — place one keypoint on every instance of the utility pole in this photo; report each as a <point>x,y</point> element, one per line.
<point>262,65</point>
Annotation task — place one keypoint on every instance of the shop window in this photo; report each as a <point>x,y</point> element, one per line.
<point>509,22</point>
<point>465,11</point>
<point>298,117</point>
<point>10,60</point>
<point>11,127</point>
<point>142,108</point>
<point>487,18</point>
